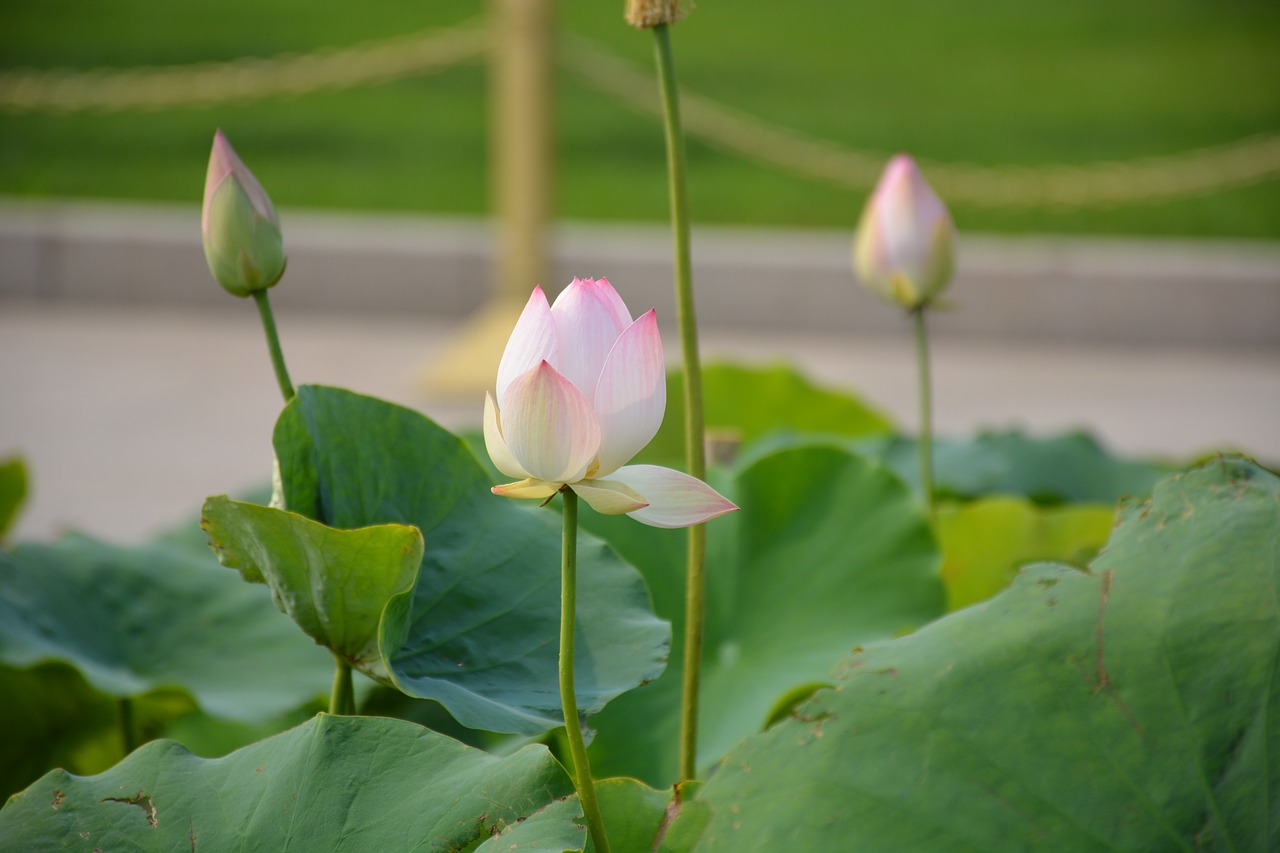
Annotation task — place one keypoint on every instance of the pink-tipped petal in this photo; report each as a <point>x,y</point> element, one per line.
<point>532,340</point>
<point>909,212</point>
<point>631,396</point>
<point>610,497</point>
<point>549,426</point>
<point>588,323</point>
<point>225,163</point>
<point>530,488</point>
<point>611,296</point>
<point>499,453</point>
<point>903,249</point>
<point>220,166</point>
<point>675,499</point>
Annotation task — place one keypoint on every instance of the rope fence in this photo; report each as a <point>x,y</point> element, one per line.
<point>1241,163</point>
<point>202,84</point>
<point>1244,162</point>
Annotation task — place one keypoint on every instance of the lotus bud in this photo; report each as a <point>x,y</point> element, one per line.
<point>650,13</point>
<point>904,246</point>
<point>241,230</point>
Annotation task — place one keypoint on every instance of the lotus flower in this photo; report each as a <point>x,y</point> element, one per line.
<point>581,390</point>
<point>903,249</point>
<point>241,230</point>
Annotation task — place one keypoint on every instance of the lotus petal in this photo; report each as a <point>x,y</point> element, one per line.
<point>588,323</point>
<point>610,497</point>
<point>675,499</point>
<point>531,487</point>
<point>503,459</point>
<point>532,340</point>
<point>631,396</point>
<point>549,426</point>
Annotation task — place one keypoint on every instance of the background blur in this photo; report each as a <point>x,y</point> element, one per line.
<point>990,82</point>
<point>1113,168</point>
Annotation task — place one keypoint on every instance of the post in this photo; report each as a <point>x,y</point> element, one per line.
<point>521,173</point>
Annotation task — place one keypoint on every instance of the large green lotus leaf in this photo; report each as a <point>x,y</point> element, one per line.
<point>331,784</point>
<point>479,633</point>
<point>333,583</point>
<point>828,550</point>
<point>742,403</point>
<point>1072,467</point>
<point>13,491</point>
<point>151,617</point>
<point>555,828</point>
<point>986,541</point>
<point>1132,708</point>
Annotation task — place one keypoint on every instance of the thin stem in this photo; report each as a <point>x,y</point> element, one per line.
<point>128,732</point>
<point>695,615</point>
<point>694,439</point>
<point>568,697</point>
<point>273,343</point>
<point>925,443</point>
<point>342,699</point>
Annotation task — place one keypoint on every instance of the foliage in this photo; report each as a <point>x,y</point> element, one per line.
<point>828,551</point>
<point>1072,467</point>
<point>984,543</point>
<point>13,491</point>
<point>1111,82</point>
<point>742,404</point>
<point>155,617</point>
<point>64,723</point>
<point>333,783</point>
<point>478,630</point>
<point>1137,711</point>
<point>334,583</point>
<point>1130,707</point>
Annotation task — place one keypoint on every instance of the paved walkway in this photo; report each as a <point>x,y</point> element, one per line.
<point>130,415</point>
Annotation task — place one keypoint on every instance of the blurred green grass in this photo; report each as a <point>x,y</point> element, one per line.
<point>991,82</point>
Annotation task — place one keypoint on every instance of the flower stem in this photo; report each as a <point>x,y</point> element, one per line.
<point>342,699</point>
<point>273,343</point>
<point>925,443</point>
<point>568,696</point>
<point>694,439</point>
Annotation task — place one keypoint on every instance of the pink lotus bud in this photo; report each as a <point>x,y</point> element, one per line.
<point>241,231</point>
<point>904,245</point>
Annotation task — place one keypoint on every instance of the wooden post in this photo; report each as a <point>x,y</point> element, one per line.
<point>521,174</point>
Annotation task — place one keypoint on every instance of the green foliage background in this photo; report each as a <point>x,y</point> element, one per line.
<point>992,82</point>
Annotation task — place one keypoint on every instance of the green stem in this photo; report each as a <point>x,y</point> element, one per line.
<point>128,733</point>
<point>568,697</point>
<point>694,439</point>
<point>926,409</point>
<point>273,343</point>
<point>342,699</point>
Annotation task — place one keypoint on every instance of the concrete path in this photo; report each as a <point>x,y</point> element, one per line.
<point>135,387</point>
<point>130,415</point>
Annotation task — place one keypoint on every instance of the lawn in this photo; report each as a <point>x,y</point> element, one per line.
<point>988,82</point>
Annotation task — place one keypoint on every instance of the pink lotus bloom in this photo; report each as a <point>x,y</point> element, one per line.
<point>582,389</point>
<point>241,230</point>
<point>903,249</point>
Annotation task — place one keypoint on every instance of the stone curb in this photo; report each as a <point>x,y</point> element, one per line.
<point>1201,293</point>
